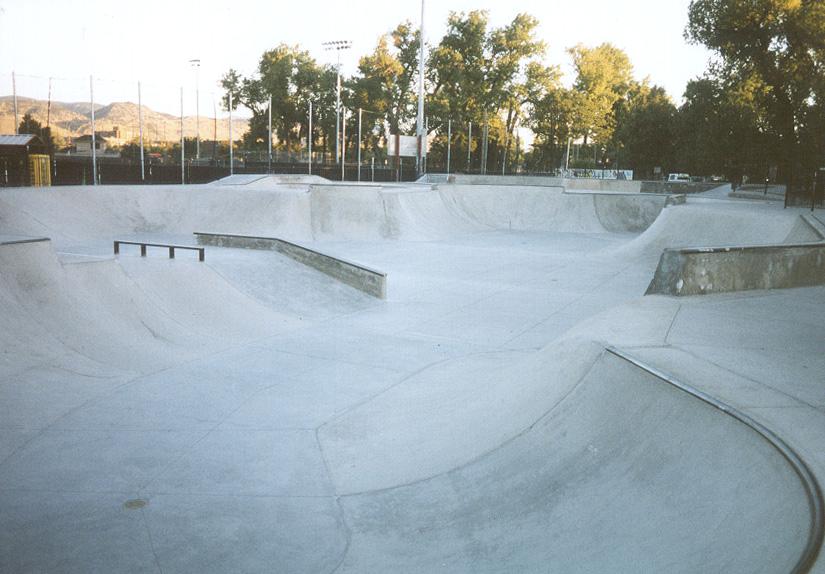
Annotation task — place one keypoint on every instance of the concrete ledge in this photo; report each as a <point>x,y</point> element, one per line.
<point>813,491</point>
<point>723,269</point>
<point>815,224</point>
<point>14,240</point>
<point>355,275</point>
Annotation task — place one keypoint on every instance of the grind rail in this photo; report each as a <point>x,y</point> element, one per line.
<point>171,248</point>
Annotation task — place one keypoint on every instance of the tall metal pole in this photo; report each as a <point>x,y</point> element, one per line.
<point>182,142</point>
<point>197,65</point>
<point>359,144</point>
<point>49,106</point>
<point>425,142</point>
<point>337,45</point>
<point>469,146</point>
<point>14,93</point>
<point>337,105</point>
<point>231,156</point>
<point>343,141</point>
<point>309,141</point>
<point>94,151</point>
<point>269,139</point>
<point>140,126</point>
<point>420,122</point>
<point>504,158</point>
<point>449,142</point>
<point>484,135</point>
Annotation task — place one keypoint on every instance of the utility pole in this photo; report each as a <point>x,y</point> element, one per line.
<point>469,146</point>
<point>49,106</point>
<point>484,135</point>
<point>359,144</point>
<point>140,124</point>
<point>14,93</point>
<point>337,45</point>
<point>269,139</point>
<point>94,151</point>
<point>449,142</point>
<point>309,141</point>
<point>197,65</point>
<point>420,120</point>
<point>182,142</point>
<point>343,142</point>
<point>231,151</point>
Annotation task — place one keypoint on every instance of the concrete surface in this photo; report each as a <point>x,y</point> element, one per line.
<point>355,275</point>
<point>250,414</point>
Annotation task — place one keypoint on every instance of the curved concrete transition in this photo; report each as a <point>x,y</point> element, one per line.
<point>515,404</point>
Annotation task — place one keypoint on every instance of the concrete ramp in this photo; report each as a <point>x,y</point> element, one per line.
<point>623,473</point>
<point>714,223</point>
<point>239,179</point>
<point>534,208</point>
<point>135,314</point>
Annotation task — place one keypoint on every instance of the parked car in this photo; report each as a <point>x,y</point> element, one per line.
<point>678,177</point>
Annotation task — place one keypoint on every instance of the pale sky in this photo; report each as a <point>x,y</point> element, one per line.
<point>152,41</point>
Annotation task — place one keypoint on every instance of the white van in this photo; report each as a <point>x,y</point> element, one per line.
<point>678,177</point>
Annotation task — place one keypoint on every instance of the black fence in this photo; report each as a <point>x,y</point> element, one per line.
<point>807,190</point>
<point>74,170</point>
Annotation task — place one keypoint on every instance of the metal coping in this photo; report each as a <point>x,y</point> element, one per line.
<point>813,491</point>
<point>622,193</point>
<point>357,265</point>
<point>728,249</point>
<point>817,225</point>
<point>27,240</point>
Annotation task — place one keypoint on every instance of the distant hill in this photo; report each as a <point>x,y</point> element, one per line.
<point>69,120</point>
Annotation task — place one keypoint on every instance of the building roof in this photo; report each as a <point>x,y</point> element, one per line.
<point>20,140</point>
<point>88,138</point>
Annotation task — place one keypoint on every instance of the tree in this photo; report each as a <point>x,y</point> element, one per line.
<point>646,128</point>
<point>29,125</point>
<point>478,75</point>
<point>603,78</point>
<point>549,116</point>
<point>292,78</point>
<point>776,45</point>
<point>385,84</point>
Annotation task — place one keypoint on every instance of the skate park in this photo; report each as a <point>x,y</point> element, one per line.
<point>460,374</point>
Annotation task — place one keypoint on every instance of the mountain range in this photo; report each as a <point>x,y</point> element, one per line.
<point>70,120</point>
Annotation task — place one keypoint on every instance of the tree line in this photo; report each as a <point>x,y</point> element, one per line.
<point>758,110</point>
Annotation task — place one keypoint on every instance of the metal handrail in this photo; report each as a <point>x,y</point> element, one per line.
<point>143,245</point>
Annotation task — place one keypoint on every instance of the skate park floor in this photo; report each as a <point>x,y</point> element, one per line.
<point>515,404</point>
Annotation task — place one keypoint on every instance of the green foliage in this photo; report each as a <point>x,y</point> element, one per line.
<point>775,49</point>
<point>646,130</point>
<point>761,103</point>
<point>292,78</point>
<point>603,78</point>
<point>29,125</point>
<point>386,84</point>
<point>480,75</point>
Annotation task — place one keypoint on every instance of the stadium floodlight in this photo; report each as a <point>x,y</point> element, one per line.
<point>337,45</point>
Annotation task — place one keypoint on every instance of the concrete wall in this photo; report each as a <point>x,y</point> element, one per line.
<point>362,278</point>
<point>577,183</point>
<point>722,269</point>
<point>542,181</point>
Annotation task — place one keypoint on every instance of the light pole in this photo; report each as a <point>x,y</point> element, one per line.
<point>337,45</point>
<point>197,65</point>
<point>420,120</point>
